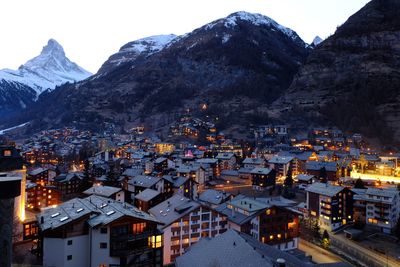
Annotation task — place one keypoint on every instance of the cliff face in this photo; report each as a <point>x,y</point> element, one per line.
<point>352,79</point>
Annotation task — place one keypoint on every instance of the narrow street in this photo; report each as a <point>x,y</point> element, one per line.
<point>319,255</point>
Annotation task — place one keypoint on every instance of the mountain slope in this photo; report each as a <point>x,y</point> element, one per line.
<point>50,69</point>
<point>237,65</point>
<point>352,79</point>
<point>133,50</point>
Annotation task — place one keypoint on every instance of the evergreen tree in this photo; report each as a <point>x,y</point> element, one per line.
<point>289,179</point>
<point>323,176</point>
<point>112,177</point>
<point>325,240</point>
<point>359,184</point>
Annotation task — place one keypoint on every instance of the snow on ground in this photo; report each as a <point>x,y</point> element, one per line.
<point>13,128</point>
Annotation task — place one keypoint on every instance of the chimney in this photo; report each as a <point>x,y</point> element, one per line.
<point>280,262</point>
<point>234,243</point>
<point>41,219</point>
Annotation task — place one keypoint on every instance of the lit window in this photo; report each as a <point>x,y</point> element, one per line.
<point>268,212</point>
<point>7,153</point>
<point>279,236</point>
<point>155,241</point>
<point>271,237</point>
<point>138,228</point>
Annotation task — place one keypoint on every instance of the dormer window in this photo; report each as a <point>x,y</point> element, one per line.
<point>7,153</point>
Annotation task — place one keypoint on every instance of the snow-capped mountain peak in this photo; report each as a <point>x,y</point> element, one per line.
<point>317,40</point>
<point>232,20</point>
<point>132,50</point>
<point>46,71</point>
<point>149,44</point>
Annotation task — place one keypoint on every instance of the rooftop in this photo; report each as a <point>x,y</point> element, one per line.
<point>253,161</point>
<point>173,209</point>
<point>36,171</point>
<point>382,192</point>
<point>213,196</point>
<point>147,194</point>
<point>280,160</point>
<point>144,181</point>
<point>264,171</point>
<point>304,177</point>
<point>104,191</point>
<point>324,189</point>
<point>234,249</point>
<point>98,210</point>
<point>318,165</point>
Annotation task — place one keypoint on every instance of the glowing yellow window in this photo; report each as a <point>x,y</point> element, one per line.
<point>155,241</point>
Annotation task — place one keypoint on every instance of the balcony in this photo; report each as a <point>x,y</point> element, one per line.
<point>134,237</point>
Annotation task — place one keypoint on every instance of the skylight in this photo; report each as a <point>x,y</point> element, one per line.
<point>111,212</point>
<point>55,215</point>
<point>64,219</point>
<point>79,210</point>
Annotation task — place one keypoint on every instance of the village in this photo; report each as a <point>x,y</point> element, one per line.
<point>297,194</point>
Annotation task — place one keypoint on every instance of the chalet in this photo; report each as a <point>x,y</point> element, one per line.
<point>213,198</point>
<point>268,220</point>
<point>194,172</point>
<point>114,193</point>
<point>315,167</point>
<point>227,160</point>
<point>254,163</point>
<point>147,199</point>
<point>39,176</point>
<point>280,164</point>
<point>263,178</point>
<point>68,183</point>
<point>181,185</point>
<point>98,231</point>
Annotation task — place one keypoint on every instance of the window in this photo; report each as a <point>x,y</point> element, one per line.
<point>7,153</point>
<point>155,241</point>
<point>138,228</point>
<point>103,245</point>
<point>69,257</point>
<point>103,230</point>
<point>103,265</point>
<point>69,242</point>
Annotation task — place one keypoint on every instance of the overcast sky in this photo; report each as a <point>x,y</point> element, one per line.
<point>91,30</point>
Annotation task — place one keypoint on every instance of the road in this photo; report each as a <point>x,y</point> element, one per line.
<point>319,255</point>
<point>382,259</point>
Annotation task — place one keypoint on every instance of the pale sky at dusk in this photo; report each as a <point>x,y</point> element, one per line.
<point>91,30</point>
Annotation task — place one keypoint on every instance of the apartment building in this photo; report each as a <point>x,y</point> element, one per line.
<point>331,205</point>
<point>382,208</point>
<point>185,222</point>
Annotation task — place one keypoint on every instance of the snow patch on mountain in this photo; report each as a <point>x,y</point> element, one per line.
<point>132,50</point>
<point>46,71</point>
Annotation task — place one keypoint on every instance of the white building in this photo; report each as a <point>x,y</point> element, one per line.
<point>185,222</point>
<point>382,208</point>
<point>98,231</point>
